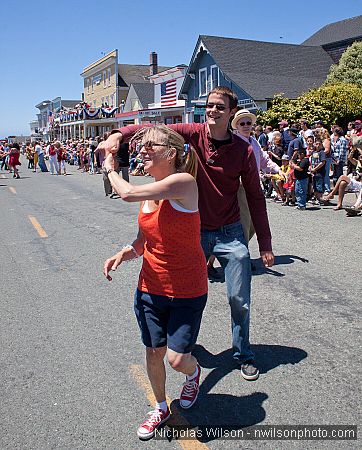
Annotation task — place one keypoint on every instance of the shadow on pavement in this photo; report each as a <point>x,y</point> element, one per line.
<point>215,411</point>
<point>259,269</point>
<point>230,411</point>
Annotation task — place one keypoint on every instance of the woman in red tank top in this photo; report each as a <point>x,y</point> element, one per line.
<point>172,286</point>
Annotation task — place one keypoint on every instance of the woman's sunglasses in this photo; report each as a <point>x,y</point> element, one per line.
<point>244,123</point>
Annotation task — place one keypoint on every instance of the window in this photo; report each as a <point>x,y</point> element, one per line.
<point>202,82</point>
<point>112,101</point>
<point>92,85</point>
<point>94,103</point>
<point>109,77</point>
<point>107,100</point>
<point>88,85</point>
<point>214,76</point>
<point>104,79</point>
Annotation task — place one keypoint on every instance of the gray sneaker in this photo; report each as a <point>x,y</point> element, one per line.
<point>249,371</point>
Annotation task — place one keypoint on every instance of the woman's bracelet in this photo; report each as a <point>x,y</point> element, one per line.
<point>130,247</point>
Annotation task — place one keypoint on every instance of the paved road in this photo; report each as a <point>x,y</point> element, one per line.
<point>71,361</point>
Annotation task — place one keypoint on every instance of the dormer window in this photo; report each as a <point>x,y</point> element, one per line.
<point>202,82</point>
<point>214,77</point>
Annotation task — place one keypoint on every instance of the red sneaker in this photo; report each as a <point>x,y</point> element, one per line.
<point>190,390</point>
<point>157,417</point>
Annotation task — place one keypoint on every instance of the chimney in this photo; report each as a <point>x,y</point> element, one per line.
<point>153,63</point>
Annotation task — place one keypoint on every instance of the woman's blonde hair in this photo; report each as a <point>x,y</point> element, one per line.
<point>324,133</point>
<point>185,157</point>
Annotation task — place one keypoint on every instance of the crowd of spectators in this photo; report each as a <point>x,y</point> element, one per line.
<point>309,157</point>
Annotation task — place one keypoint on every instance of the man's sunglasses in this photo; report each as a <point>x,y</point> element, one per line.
<point>217,106</point>
<point>244,123</point>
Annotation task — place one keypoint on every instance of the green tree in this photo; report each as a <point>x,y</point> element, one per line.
<point>331,103</point>
<point>349,68</point>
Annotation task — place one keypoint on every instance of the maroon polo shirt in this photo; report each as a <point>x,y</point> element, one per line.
<point>218,178</point>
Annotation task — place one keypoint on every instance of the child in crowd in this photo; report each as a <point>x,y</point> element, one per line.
<point>310,146</point>
<point>301,174</point>
<point>289,185</point>
<point>279,180</point>
<point>318,169</point>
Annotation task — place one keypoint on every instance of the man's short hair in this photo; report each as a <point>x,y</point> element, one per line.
<point>223,90</point>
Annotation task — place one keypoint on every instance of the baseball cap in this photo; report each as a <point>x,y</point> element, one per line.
<point>284,123</point>
<point>285,157</point>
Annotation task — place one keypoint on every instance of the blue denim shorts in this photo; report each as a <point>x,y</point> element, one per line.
<point>169,321</point>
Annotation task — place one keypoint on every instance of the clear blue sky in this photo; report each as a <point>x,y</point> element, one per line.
<point>45,45</point>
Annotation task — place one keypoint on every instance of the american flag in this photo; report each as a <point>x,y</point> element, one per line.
<point>168,93</point>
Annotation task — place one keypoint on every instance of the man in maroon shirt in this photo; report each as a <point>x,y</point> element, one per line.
<point>224,160</point>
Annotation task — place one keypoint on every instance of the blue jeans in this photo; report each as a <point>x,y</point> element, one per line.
<point>337,171</point>
<point>327,180</point>
<point>301,189</point>
<point>230,248</point>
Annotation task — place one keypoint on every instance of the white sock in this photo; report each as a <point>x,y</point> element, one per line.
<point>190,377</point>
<point>162,405</point>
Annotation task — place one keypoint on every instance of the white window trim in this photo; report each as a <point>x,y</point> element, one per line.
<point>104,79</point>
<point>218,75</point>
<point>202,93</point>
<point>109,76</point>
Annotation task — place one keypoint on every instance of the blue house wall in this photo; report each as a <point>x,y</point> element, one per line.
<point>205,60</point>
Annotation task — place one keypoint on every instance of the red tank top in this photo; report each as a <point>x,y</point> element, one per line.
<point>174,264</point>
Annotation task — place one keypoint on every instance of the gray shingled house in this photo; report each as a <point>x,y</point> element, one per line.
<point>257,70</point>
<point>335,37</point>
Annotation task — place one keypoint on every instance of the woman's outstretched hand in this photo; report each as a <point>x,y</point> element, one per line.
<point>111,264</point>
<point>126,254</point>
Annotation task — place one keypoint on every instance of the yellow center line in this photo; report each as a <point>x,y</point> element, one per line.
<point>38,227</point>
<point>12,189</point>
<point>176,418</point>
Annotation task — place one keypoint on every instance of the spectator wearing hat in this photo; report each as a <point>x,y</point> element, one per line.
<point>296,144</point>
<point>339,148</point>
<point>242,124</point>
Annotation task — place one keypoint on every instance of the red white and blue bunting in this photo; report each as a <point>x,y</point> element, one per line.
<point>86,113</point>
<point>91,114</point>
<point>109,112</point>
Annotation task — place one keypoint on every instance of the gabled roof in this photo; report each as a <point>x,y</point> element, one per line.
<point>145,93</point>
<point>70,103</point>
<point>337,31</point>
<point>263,69</point>
<point>131,73</point>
